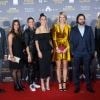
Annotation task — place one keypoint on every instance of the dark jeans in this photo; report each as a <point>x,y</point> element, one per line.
<point>77,61</point>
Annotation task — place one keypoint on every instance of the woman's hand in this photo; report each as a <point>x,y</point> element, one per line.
<point>12,59</point>
<point>29,58</point>
<point>52,51</point>
<point>58,50</point>
<point>64,51</point>
<point>40,54</point>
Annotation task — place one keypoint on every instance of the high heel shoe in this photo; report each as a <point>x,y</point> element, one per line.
<point>43,89</point>
<point>64,86</point>
<point>60,87</point>
<point>47,86</point>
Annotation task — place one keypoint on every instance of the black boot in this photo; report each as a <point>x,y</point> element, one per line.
<point>16,86</point>
<point>21,85</point>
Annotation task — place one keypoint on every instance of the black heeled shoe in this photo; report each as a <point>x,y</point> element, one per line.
<point>64,87</point>
<point>60,88</point>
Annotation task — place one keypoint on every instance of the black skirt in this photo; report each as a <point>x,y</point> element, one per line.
<point>14,65</point>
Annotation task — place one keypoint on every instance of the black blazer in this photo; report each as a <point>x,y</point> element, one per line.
<point>29,39</point>
<point>3,43</point>
<point>88,39</point>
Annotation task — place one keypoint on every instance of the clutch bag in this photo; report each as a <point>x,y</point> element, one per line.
<point>17,59</point>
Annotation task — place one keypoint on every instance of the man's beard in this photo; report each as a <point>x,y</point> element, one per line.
<point>82,23</point>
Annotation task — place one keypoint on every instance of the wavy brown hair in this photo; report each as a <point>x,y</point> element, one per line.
<point>12,31</point>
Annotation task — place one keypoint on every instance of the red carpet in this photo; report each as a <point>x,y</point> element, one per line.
<point>54,94</point>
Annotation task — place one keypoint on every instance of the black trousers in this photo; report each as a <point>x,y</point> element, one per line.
<point>77,61</point>
<point>32,70</point>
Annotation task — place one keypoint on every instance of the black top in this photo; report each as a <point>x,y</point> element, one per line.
<point>17,46</point>
<point>44,41</point>
<point>28,37</point>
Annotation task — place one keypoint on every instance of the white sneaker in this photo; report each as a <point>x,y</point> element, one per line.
<point>81,76</point>
<point>26,78</point>
<point>36,85</point>
<point>32,88</point>
<point>84,76</point>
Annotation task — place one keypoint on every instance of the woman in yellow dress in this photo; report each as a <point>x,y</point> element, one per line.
<point>60,35</point>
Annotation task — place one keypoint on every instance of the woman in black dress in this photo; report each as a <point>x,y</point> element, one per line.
<point>97,38</point>
<point>15,50</point>
<point>43,45</point>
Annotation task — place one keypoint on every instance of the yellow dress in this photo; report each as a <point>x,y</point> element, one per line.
<point>61,38</point>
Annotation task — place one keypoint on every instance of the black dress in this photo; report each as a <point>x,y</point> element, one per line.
<point>97,43</point>
<point>17,49</point>
<point>45,48</point>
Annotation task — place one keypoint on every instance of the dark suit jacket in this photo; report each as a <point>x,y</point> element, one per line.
<point>3,43</point>
<point>88,40</point>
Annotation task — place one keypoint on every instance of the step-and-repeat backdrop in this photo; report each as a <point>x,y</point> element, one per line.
<point>22,9</point>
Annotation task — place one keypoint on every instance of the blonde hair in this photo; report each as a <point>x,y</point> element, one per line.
<point>98,22</point>
<point>61,13</point>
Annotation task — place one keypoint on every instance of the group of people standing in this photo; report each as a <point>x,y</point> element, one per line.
<point>35,46</point>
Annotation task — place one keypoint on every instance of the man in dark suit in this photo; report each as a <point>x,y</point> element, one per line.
<point>3,50</point>
<point>82,49</point>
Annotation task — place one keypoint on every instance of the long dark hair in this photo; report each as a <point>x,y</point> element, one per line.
<point>79,16</point>
<point>12,31</point>
<point>42,15</point>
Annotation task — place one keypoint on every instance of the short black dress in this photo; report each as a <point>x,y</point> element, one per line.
<point>17,49</point>
<point>45,47</point>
